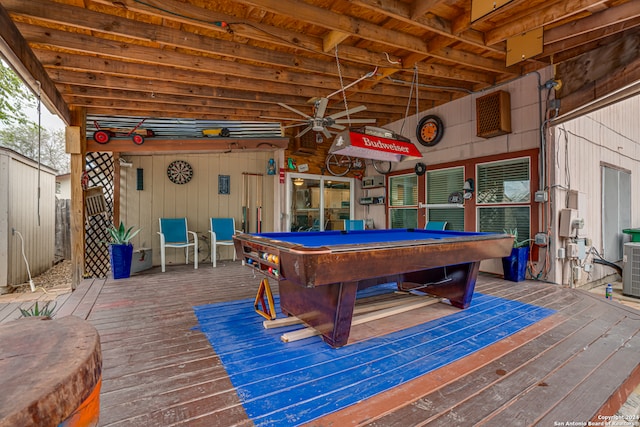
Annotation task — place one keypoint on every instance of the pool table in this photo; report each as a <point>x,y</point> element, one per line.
<point>319,273</point>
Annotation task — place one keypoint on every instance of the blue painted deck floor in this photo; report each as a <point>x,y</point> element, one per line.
<point>288,384</point>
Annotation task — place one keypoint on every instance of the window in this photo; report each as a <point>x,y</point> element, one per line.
<point>440,184</point>
<point>503,192</point>
<point>403,201</point>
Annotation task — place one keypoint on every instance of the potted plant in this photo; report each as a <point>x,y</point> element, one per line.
<point>121,250</point>
<point>515,265</point>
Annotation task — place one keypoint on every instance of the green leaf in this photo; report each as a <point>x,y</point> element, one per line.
<point>121,235</point>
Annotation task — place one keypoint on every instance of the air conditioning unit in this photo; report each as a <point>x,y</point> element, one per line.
<point>631,270</point>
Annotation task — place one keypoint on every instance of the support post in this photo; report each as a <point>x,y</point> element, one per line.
<point>75,138</point>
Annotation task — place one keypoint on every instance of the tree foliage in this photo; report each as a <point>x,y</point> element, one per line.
<point>19,133</point>
<point>14,98</point>
<point>23,138</point>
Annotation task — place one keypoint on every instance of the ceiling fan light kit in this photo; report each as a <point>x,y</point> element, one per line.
<point>318,122</point>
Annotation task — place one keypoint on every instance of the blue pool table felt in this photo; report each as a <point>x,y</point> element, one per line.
<point>288,384</point>
<point>313,239</point>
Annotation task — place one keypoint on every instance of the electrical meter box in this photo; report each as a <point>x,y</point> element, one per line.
<point>373,181</point>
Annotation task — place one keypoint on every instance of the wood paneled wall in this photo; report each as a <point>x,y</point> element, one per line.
<point>197,200</point>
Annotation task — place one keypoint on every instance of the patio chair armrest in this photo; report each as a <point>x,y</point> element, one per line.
<point>194,234</point>
<point>161,238</point>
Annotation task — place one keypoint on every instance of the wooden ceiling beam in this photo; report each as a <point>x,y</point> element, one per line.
<point>599,63</point>
<point>333,39</point>
<point>420,7</point>
<point>368,31</point>
<point>526,21</point>
<point>252,31</point>
<point>405,12</point>
<point>265,94</point>
<point>260,108</point>
<point>166,73</point>
<point>195,16</point>
<point>17,52</point>
<point>625,15</point>
<point>566,45</point>
<point>100,23</point>
<point>86,45</point>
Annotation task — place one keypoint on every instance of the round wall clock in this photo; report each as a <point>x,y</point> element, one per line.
<point>179,172</point>
<point>430,130</point>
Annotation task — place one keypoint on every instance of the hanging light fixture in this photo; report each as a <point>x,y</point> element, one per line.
<point>374,143</point>
<point>298,182</point>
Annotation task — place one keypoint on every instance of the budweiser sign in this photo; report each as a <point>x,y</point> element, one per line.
<point>358,144</point>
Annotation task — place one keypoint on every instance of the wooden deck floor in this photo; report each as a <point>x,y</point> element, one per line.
<point>576,365</point>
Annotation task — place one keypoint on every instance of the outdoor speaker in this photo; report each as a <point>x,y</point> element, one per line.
<point>493,114</point>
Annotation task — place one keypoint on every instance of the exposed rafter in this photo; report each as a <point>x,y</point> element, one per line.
<point>238,60</point>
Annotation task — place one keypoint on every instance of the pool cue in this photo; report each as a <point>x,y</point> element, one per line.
<point>244,204</point>
<point>259,202</point>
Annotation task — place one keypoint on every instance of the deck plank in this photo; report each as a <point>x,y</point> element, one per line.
<point>433,394</point>
<point>10,311</point>
<point>70,303</point>
<point>160,370</point>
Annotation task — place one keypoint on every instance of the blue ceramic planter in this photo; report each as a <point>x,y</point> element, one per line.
<point>515,265</point>
<point>121,256</point>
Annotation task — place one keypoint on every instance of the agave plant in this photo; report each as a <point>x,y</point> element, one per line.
<point>121,235</point>
<point>517,243</point>
<point>35,311</point>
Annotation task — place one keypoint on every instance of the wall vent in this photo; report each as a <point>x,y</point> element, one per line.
<point>305,144</point>
<point>493,114</point>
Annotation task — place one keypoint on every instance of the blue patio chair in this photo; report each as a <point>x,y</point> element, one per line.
<point>174,233</point>
<point>435,225</point>
<point>353,224</point>
<point>222,231</point>
<point>316,225</point>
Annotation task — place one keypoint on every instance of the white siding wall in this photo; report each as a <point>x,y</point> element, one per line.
<point>19,207</point>
<point>197,200</point>
<point>65,186</point>
<point>607,136</point>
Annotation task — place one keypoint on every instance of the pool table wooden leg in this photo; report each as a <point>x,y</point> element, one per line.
<point>328,309</point>
<point>454,282</point>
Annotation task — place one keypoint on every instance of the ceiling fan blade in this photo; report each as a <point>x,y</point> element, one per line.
<point>303,131</point>
<point>294,110</point>
<point>294,126</point>
<point>321,107</point>
<point>337,126</point>
<point>347,121</point>
<point>326,133</point>
<point>349,111</point>
<point>290,119</point>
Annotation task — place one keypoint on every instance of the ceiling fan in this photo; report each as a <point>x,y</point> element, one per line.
<point>318,122</point>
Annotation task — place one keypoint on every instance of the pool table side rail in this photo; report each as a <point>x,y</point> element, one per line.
<point>311,267</point>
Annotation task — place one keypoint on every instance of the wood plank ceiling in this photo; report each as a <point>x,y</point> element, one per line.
<point>237,60</point>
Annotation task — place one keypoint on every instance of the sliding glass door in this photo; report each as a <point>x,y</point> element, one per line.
<point>318,203</point>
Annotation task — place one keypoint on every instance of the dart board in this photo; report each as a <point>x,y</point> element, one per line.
<point>179,172</point>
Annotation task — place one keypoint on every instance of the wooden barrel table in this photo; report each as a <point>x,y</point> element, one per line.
<point>50,373</point>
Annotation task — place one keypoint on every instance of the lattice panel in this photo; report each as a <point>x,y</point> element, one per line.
<point>100,170</point>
